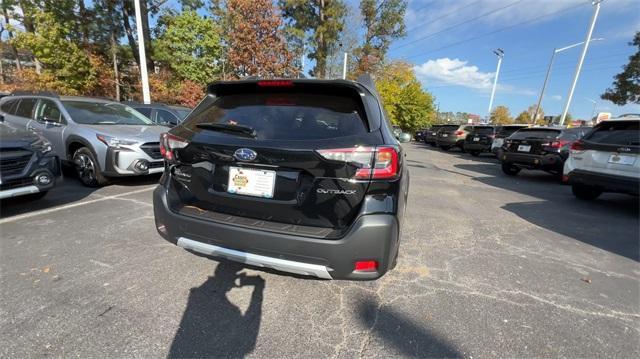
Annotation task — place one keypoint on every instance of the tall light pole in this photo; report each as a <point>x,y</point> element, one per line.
<point>593,110</point>
<point>596,11</point>
<point>344,66</point>
<point>500,54</point>
<point>546,78</point>
<point>146,97</point>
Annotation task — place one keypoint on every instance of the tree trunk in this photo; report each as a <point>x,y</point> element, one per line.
<point>14,50</point>
<point>114,54</point>
<point>84,17</point>
<point>126,12</point>
<point>321,51</point>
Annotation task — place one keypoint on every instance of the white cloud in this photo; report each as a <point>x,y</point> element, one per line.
<point>557,97</point>
<point>454,72</point>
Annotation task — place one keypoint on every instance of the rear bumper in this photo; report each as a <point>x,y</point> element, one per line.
<point>371,237</point>
<point>477,147</point>
<point>606,182</point>
<point>548,162</point>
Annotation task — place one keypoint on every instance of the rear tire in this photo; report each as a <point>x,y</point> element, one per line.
<point>509,169</point>
<point>585,193</point>
<point>445,148</point>
<point>88,168</point>
<point>475,153</point>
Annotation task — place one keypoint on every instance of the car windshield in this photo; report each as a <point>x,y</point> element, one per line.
<point>536,133</point>
<point>104,113</point>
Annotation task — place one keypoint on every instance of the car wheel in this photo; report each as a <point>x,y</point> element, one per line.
<point>509,169</point>
<point>586,193</point>
<point>88,169</point>
<point>445,148</point>
<point>475,153</point>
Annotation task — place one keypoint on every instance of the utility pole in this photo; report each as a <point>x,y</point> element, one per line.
<point>500,54</point>
<point>146,97</point>
<point>344,66</point>
<point>596,11</point>
<point>593,110</point>
<point>546,78</point>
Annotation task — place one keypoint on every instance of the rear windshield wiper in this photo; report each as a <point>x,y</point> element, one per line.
<point>235,129</point>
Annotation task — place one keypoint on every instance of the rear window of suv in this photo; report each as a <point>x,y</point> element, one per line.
<point>616,133</point>
<point>508,130</point>
<point>483,130</point>
<point>285,116</point>
<point>536,133</point>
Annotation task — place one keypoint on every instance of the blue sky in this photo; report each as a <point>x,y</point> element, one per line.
<point>459,73</point>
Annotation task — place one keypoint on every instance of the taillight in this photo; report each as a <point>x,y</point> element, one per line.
<point>275,83</point>
<point>459,133</point>
<point>577,146</point>
<point>372,162</point>
<point>168,143</point>
<point>558,144</point>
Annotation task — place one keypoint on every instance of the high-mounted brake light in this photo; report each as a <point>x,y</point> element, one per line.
<point>168,143</point>
<point>373,162</point>
<point>275,83</point>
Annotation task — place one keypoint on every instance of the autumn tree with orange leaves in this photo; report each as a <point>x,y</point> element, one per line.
<point>256,44</point>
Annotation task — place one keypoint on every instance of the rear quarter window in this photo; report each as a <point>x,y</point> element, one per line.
<point>616,133</point>
<point>285,116</point>
<point>25,107</point>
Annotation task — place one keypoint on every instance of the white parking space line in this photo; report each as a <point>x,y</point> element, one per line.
<point>72,205</point>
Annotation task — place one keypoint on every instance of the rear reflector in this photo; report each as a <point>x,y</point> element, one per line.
<point>168,143</point>
<point>275,83</point>
<point>366,266</point>
<point>373,162</point>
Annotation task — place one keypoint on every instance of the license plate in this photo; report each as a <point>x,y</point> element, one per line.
<point>434,133</point>
<point>251,182</point>
<point>476,139</point>
<point>622,159</point>
<point>524,148</point>
<point>445,135</point>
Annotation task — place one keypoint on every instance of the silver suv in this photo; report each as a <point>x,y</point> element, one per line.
<point>101,138</point>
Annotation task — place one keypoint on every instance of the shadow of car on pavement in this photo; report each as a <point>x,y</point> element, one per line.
<point>603,223</point>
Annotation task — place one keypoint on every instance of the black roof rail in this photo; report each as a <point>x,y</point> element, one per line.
<point>35,93</point>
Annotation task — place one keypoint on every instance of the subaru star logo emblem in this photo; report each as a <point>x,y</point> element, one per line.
<point>245,154</point>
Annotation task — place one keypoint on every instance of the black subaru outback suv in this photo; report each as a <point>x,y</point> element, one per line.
<point>303,176</point>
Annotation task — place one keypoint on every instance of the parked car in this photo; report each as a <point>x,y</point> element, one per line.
<point>101,138</point>
<point>420,134</point>
<point>539,148</point>
<point>479,140</point>
<point>452,136</point>
<point>432,135</point>
<point>606,160</point>
<point>502,132</point>
<point>161,114</point>
<point>264,183</point>
<point>27,165</point>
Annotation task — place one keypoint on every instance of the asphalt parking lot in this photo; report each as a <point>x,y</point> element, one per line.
<point>490,266</point>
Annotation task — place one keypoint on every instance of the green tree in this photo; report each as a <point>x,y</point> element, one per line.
<point>65,67</point>
<point>403,98</point>
<point>383,22</point>
<point>317,23</point>
<point>626,86</point>
<point>190,46</point>
<point>501,116</point>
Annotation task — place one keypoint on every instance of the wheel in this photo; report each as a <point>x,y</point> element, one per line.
<point>509,169</point>
<point>586,193</point>
<point>445,148</point>
<point>88,169</point>
<point>432,144</point>
<point>34,196</point>
<point>475,153</point>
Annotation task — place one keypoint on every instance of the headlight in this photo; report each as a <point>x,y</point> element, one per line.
<point>114,141</point>
<point>41,145</point>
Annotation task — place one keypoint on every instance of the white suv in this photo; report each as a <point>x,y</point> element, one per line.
<point>607,159</point>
